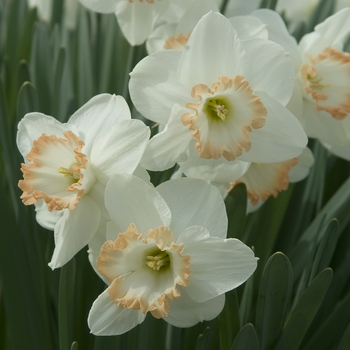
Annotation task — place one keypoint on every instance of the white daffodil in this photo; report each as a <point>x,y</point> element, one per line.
<point>264,180</point>
<point>175,35</point>
<point>321,98</point>
<point>166,254</point>
<point>68,165</point>
<point>226,94</point>
<point>136,18</point>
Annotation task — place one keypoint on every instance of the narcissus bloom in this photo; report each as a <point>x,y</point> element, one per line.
<point>136,18</point>
<point>68,165</point>
<point>321,98</point>
<point>226,94</point>
<point>264,180</point>
<point>175,35</point>
<point>166,254</point>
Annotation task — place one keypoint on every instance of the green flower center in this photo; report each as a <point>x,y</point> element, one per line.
<point>217,108</point>
<point>160,259</point>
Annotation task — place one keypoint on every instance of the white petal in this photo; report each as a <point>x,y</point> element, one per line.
<point>154,87</point>
<point>33,125</point>
<point>142,173</point>
<point>74,230</point>
<point>158,37</point>
<point>272,72</point>
<point>214,170</point>
<point>95,246</point>
<point>217,265</point>
<point>278,32</point>
<point>194,202</point>
<point>97,115</point>
<point>44,217</point>
<point>319,124</point>
<point>102,6</point>
<point>213,50</point>
<point>184,312</point>
<point>120,149</point>
<point>107,318</point>
<point>301,170</point>
<point>168,146</point>
<point>332,32</point>
<point>130,200</point>
<point>249,27</point>
<point>136,18</point>
<point>281,138</point>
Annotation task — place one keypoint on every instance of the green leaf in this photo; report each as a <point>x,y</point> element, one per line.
<point>203,340</point>
<point>57,82</point>
<point>326,248</point>
<point>236,207</point>
<point>23,73</point>
<point>27,100</point>
<point>304,312</point>
<point>246,339</point>
<point>66,304</point>
<point>336,207</point>
<point>41,67</point>
<point>332,327</point>
<point>74,346</point>
<point>345,340</point>
<point>84,63</point>
<point>229,320</point>
<point>273,299</point>
<point>247,301</point>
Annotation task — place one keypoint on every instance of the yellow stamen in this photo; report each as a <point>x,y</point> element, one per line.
<point>69,172</point>
<point>220,110</point>
<point>156,262</point>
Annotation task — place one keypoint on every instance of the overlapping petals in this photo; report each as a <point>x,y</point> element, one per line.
<point>161,264</point>
<point>233,95</point>
<point>68,165</point>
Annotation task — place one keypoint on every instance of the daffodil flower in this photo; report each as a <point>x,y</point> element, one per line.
<point>226,94</point>
<point>67,167</point>
<point>136,18</point>
<point>264,180</point>
<point>175,35</point>
<point>166,254</point>
<point>321,97</point>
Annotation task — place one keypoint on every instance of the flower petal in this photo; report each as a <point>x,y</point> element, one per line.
<point>154,87</point>
<point>319,124</point>
<point>130,200</point>
<point>281,138</point>
<point>278,32</point>
<point>120,149</point>
<point>74,230</point>
<point>213,50</point>
<point>302,168</point>
<point>107,318</point>
<point>214,170</point>
<point>194,202</point>
<point>168,146</point>
<point>33,125</point>
<point>184,312</point>
<point>97,115</point>
<point>44,217</point>
<point>217,265</point>
<point>136,18</point>
<point>273,72</point>
<point>332,32</point>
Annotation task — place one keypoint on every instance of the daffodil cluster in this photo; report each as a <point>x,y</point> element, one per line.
<point>235,99</point>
